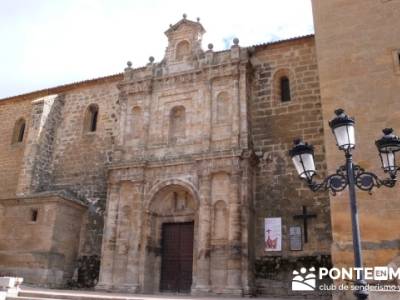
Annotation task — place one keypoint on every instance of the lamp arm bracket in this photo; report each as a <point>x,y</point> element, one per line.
<point>366,181</point>
<point>334,183</point>
<point>338,181</point>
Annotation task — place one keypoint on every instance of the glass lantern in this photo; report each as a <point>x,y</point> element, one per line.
<point>387,146</point>
<point>343,128</point>
<point>303,159</point>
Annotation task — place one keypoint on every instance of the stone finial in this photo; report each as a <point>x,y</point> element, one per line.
<point>129,67</point>
<point>198,19</point>
<point>184,16</point>
<point>235,49</point>
<point>209,55</point>
<point>128,71</point>
<point>151,59</point>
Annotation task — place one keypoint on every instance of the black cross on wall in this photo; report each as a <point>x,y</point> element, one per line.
<point>305,216</point>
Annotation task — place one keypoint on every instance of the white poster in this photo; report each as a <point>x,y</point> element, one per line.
<point>273,234</point>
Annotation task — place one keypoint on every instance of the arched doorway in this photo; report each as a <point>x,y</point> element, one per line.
<point>170,239</point>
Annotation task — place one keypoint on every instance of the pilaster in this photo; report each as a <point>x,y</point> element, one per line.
<point>132,283</point>
<point>202,284</point>
<point>109,238</point>
<point>234,278</point>
<point>123,230</point>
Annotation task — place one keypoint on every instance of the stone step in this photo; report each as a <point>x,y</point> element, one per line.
<point>51,297</point>
<point>47,294</point>
<point>72,296</point>
<point>30,298</point>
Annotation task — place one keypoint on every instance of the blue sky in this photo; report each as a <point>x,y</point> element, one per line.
<point>45,43</point>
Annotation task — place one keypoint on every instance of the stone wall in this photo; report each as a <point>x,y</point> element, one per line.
<point>57,154</point>
<point>80,157</point>
<point>356,45</point>
<point>11,154</point>
<point>39,238</point>
<point>279,191</point>
<point>35,170</point>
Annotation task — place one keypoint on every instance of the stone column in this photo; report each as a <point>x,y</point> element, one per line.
<point>234,282</point>
<point>122,235</point>
<point>109,237</point>
<point>242,114</point>
<point>147,112</point>
<point>132,269</point>
<point>207,125</point>
<point>236,112</point>
<point>146,263</point>
<point>118,153</point>
<point>202,284</point>
<point>123,103</point>
<point>247,217</point>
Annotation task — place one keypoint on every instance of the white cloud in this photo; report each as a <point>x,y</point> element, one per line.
<point>46,43</point>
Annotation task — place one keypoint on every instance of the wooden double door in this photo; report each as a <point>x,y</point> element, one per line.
<point>177,257</point>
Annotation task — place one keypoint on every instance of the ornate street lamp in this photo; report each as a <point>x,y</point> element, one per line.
<point>349,175</point>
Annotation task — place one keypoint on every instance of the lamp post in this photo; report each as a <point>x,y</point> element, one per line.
<point>350,175</point>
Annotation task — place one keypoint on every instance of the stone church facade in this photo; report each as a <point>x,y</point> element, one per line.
<point>183,156</point>
<point>160,178</point>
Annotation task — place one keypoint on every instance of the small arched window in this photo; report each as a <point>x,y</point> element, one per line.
<point>182,50</point>
<point>19,131</point>
<point>91,118</point>
<point>177,124</point>
<point>285,89</point>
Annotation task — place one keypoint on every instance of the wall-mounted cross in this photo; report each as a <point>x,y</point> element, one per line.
<point>305,216</point>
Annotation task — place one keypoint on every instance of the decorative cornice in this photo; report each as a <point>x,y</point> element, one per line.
<point>173,161</point>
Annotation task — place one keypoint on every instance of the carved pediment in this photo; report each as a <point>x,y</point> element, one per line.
<point>184,42</point>
<point>184,24</point>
